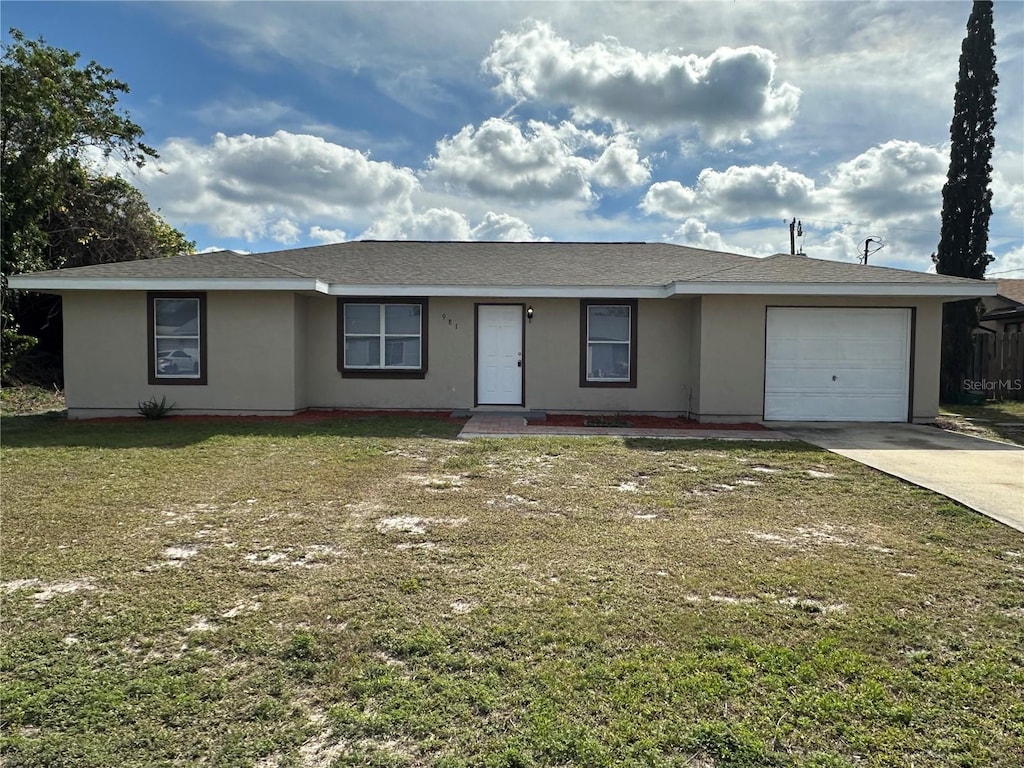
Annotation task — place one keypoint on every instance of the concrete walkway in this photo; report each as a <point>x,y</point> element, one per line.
<point>985,475</point>
<point>511,424</point>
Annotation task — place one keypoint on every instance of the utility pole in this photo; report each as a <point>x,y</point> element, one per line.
<point>867,243</point>
<point>796,228</point>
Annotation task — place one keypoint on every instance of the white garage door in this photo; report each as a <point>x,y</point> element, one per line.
<point>837,364</point>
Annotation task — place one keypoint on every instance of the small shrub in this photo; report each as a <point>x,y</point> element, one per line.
<point>151,409</point>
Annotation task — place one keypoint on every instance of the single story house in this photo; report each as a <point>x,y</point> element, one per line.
<point>1004,312</point>
<point>557,327</point>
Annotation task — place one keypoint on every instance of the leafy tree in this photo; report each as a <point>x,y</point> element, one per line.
<point>966,196</point>
<point>55,210</point>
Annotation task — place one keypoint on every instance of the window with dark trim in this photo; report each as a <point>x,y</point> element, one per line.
<point>177,337</point>
<point>382,338</point>
<point>608,342</point>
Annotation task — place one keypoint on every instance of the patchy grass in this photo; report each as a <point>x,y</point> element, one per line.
<point>995,421</point>
<point>373,592</point>
<point>28,399</point>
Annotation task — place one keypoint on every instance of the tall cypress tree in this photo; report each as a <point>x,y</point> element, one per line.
<point>966,196</point>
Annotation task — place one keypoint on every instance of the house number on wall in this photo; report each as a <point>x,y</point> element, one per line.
<point>445,316</point>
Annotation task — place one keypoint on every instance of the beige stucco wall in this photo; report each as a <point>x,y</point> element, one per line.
<point>449,381</point>
<point>693,368</point>
<point>732,337</point>
<point>663,358</point>
<point>251,355</point>
<point>301,367</point>
<point>277,353</point>
<point>551,360</point>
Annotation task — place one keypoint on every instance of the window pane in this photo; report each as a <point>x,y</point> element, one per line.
<point>362,318</point>
<point>176,317</point>
<point>401,318</point>
<point>608,362</point>
<point>608,323</point>
<point>362,352</point>
<point>402,351</point>
<point>177,357</point>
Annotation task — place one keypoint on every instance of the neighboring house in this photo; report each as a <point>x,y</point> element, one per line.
<point>571,327</point>
<point>1004,312</point>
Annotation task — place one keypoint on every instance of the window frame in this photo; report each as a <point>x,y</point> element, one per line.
<point>154,376</point>
<point>382,372</point>
<point>585,305</point>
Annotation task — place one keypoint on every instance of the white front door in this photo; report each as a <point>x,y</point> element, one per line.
<point>837,364</point>
<point>499,354</point>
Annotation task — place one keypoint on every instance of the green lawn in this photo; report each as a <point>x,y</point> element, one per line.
<point>994,420</point>
<point>376,593</point>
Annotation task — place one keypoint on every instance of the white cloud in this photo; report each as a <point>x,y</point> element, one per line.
<point>696,234</point>
<point>446,224</point>
<point>620,165</point>
<point>730,93</point>
<point>1008,183</point>
<point>431,224</point>
<point>1009,265</point>
<point>327,236</point>
<point>503,227</point>
<point>541,163</point>
<point>670,199</point>
<point>736,194</point>
<point>898,181</point>
<point>284,231</point>
<point>892,191</point>
<point>271,186</point>
<point>243,112</point>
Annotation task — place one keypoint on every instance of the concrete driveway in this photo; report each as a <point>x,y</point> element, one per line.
<point>984,475</point>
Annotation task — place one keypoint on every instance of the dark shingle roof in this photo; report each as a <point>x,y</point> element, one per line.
<point>220,264</point>
<point>498,264</point>
<point>802,269</point>
<point>527,264</point>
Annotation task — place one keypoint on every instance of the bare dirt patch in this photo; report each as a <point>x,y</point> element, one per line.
<point>43,591</point>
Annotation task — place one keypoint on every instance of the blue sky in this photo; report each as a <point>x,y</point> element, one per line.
<point>708,124</point>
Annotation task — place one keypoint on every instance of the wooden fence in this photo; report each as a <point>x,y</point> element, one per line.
<point>997,366</point>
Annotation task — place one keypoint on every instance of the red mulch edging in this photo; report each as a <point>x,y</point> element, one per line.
<point>636,421</point>
<point>310,415</point>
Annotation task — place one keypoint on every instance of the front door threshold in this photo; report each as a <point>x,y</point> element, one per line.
<point>500,410</point>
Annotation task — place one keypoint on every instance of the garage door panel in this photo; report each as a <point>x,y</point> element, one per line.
<point>825,407</point>
<point>783,349</point>
<point>837,364</point>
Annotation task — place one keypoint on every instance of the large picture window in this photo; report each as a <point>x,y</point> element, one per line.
<point>382,338</point>
<point>177,338</point>
<point>608,343</point>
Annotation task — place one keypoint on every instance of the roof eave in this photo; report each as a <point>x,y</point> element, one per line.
<point>948,291</point>
<point>59,284</point>
<point>505,291</point>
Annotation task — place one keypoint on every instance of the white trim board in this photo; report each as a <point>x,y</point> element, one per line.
<point>679,288</point>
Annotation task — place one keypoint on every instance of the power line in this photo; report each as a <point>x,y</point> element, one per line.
<point>1004,271</point>
<point>899,229</point>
